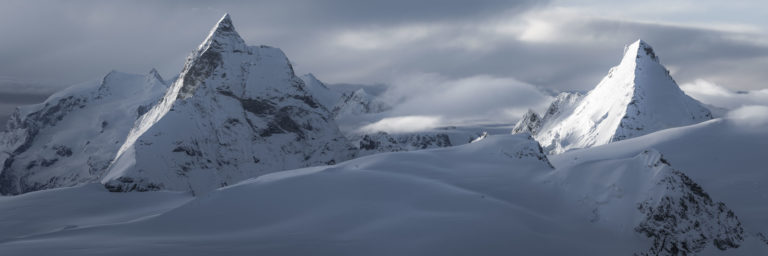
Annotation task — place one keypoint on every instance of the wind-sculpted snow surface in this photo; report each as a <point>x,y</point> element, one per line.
<point>637,97</point>
<point>725,156</point>
<point>497,196</point>
<point>73,136</point>
<point>235,112</point>
<point>662,203</point>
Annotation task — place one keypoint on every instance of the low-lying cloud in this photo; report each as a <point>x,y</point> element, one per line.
<point>475,99</point>
<point>719,96</point>
<point>749,117</point>
<point>403,124</point>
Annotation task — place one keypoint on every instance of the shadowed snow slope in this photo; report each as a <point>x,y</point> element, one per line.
<point>324,95</point>
<point>637,97</point>
<point>726,156</point>
<point>496,196</point>
<point>73,136</point>
<point>235,112</point>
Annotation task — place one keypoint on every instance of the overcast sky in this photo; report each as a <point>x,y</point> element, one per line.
<point>563,45</point>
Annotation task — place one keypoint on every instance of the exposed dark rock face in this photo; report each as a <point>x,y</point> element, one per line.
<point>683,220</point>
<point>530,123</point>
<point>385,142</point>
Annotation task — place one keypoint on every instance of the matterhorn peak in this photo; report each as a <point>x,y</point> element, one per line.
<point>223,35</point>
<point>234,112</point>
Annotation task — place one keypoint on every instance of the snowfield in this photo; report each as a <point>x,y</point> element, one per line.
<point>500,195</point>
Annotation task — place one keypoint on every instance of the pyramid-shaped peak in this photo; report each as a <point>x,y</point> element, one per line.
<point>311,76</point>
<point>311,81</point>
<point>640,50</point>
<point>223,33</point>
<point>637,97</point>
<point>224,24</point>
<point>361,93</point>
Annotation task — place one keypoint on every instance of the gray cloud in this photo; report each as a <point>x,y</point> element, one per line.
<point>727,57</point>
<point>68,42</point>
<point>534,42</point>
<point>570,53</point>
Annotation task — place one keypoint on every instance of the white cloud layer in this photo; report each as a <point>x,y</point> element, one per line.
<point>476,99</point>
<point>716,95</point>
<point>750,117</point>
<point>403,124</point>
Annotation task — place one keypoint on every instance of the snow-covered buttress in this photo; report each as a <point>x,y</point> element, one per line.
<point>530,123</point>
<point>73,136</point>
<point>235,112</point>
<point>322,94</point>
<point>562,106</point>
<point>358,103</point>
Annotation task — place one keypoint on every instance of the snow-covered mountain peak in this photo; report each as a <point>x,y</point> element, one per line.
<point>222,40</point>
<point>153,75</point>
<point>637,97</point>
<point>113,84</point>
<point>639,52</point>
<point>311,81</point>
<point>360,94</point>
<point>324,95</point>
<point>223,35</point>
<point>72,137</point>
<point>235,112</point>
<point>530,123</point>
<point>359,102</point>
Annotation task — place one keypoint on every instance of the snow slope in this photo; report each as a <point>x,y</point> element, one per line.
<point>235,112</point>
<point>637,97</point>
<point>71,137</point>
<point>82,206</point>
<point>358,103</point>
<point>497,196</point>
<point>322,94</point>
<point>726,156</point>
<point>561,107</point>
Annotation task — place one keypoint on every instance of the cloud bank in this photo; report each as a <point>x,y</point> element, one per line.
<point>475,99</point>
<point>716,95</point>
